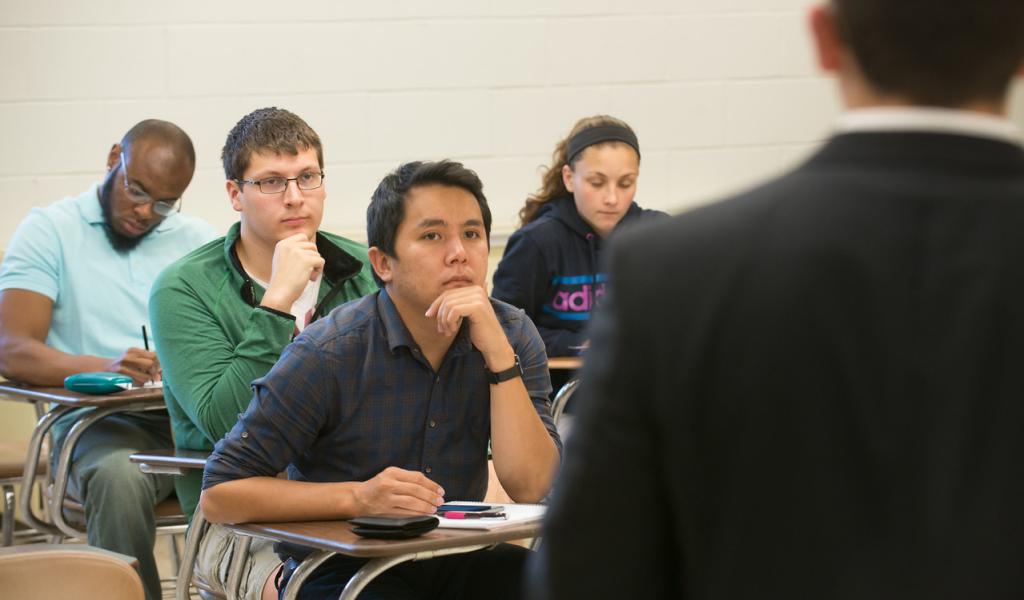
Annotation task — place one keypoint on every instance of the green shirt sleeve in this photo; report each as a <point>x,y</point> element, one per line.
<point>207,374</point>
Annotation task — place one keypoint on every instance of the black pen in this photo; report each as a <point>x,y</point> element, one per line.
<point>145,338</point>
<point>461,514</point>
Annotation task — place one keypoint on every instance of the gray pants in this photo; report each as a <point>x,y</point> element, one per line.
<point>118,497</point>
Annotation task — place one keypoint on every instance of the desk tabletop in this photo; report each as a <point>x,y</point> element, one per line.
<point>337,536</point>
<point>31,393</point>
<point>570,363</point>
<point>182,459</point>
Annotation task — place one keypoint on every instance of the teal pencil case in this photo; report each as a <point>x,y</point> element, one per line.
<point>98,382</point>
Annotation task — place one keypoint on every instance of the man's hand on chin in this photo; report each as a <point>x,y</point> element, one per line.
<point>473,303</point>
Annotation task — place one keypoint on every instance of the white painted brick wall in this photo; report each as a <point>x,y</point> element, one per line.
<point>722,93</point>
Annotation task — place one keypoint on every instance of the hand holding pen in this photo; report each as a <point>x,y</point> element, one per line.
<point>141,365</point>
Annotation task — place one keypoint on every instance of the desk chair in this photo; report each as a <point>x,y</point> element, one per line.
<point>176,462</point>
<point>70,521</point>
<point>188,575</point>
<point>83,573</point>
<point>170,519</point>
<point>562,398</point>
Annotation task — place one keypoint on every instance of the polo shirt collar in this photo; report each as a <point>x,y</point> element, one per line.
<point>89,206</point>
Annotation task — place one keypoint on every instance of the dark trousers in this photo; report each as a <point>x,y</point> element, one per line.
<point>485,574</point>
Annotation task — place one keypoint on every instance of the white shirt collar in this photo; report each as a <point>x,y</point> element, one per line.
<point>937,120</point>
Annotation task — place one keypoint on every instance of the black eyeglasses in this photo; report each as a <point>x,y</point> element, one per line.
<point>139,196</point>
<point>276,185</point>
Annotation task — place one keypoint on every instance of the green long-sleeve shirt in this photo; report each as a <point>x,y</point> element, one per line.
<point>213,340</point>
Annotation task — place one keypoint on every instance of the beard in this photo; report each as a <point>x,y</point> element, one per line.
<point>120,242</point>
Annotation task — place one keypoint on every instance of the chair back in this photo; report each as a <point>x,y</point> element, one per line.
<point>85,573</point>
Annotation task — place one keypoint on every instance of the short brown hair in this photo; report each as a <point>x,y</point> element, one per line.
<point>272,129</point>
<point>944,54</point>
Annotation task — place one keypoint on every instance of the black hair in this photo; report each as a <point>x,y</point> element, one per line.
<point>387,205</point>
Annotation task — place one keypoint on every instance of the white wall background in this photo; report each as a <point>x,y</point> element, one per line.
<point>722,93</point>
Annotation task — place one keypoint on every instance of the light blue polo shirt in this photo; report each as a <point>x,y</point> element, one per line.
<point>99,295</point>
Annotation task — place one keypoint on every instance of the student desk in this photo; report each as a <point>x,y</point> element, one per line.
<point>61,402</point>
<point>567,363</point>
<point>328,538</point>
<point>176,462</point>
<point>170,462</point>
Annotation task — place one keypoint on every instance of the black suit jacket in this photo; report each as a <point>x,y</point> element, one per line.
<point>812,390</point>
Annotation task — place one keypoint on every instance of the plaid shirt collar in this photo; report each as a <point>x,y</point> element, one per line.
<point>397,334</point>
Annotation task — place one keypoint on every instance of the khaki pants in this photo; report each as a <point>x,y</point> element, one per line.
<point>214,559</point>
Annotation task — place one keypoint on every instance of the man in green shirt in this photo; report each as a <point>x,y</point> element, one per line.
<point>223,314</point>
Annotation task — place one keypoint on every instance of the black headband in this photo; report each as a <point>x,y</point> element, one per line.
<point>596,135</point>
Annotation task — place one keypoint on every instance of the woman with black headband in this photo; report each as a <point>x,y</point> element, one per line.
<point>551,264</point>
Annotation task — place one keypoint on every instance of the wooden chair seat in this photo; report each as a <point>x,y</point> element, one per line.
<point>12,459</point>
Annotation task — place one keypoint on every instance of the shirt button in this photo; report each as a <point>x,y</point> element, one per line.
<point>245,434</point>
<point>428,470</point>
<point>433,424</point>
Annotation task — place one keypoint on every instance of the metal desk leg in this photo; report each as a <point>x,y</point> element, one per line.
<point>60,478</point>
<point>195,534</point>
<point>238,560</point>
<point>372,569</point>
<point>8,518</point>
<point>305,569</point>
<point>30,472</point>
<point>562,398</point>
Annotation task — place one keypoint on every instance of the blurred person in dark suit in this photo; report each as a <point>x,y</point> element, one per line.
<point>814,389</point>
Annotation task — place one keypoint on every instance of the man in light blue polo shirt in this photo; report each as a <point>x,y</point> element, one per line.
<point>74,286</point>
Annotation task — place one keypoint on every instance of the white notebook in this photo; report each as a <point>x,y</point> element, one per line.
<point>517,514</point>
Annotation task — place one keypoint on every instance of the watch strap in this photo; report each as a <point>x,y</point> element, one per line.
<point>515,370</point>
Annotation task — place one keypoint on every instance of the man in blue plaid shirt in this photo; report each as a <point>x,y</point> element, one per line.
<point>387,405</point>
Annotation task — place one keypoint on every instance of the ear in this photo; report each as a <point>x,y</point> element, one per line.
<point>381,263</point>
<point>567,178</point>
<point>234,194</point>
<point>114,156</point>
<point>827,45</point>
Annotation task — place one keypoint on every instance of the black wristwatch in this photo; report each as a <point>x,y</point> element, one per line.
<point>515,370</point>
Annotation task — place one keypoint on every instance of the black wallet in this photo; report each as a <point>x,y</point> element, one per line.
<point>393,528</point>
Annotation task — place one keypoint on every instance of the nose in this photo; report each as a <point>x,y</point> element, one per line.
<point>612,197</point>
<point>292,193</point>
<point>145,211</point>
<point>457,252</point>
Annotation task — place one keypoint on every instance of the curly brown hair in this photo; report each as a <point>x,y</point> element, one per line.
<point>551,184</point>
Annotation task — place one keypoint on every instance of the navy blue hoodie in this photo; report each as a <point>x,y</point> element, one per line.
<point>550,269</point>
